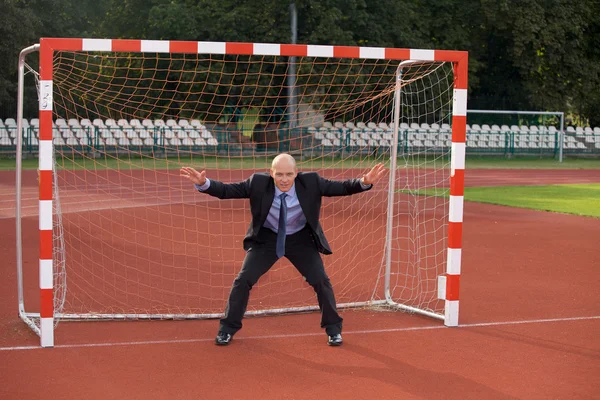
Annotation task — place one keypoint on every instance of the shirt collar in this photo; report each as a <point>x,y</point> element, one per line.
<point>291,192</point>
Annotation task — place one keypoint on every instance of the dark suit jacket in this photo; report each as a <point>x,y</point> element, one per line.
<point>260,189</point>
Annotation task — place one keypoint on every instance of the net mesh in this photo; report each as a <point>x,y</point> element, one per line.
<point>138,240</point>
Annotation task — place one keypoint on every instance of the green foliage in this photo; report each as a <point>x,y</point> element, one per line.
<point>17,31</point>
<point>23,22</point>
<point>523,54</point>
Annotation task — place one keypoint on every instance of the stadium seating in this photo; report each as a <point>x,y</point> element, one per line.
<point>123,133</point>
<point>483,138</point>
<point>120,133</point>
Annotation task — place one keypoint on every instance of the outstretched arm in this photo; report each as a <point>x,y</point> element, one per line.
<point>239,190</point>
<point>352,186</point>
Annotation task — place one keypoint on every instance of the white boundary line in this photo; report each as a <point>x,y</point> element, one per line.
<point>414,328</point>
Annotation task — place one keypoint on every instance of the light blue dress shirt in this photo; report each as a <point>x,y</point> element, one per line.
<point>295,217</point>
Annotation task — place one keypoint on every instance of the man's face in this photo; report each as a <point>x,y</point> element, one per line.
<point>284,173</point>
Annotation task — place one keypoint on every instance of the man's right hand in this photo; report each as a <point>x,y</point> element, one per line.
<point>198,178</point>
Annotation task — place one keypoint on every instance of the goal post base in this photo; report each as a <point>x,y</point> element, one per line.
<point>381,304</point>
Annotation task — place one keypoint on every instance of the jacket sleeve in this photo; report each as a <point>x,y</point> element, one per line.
<point>348,187</point>
<point>237,190</point>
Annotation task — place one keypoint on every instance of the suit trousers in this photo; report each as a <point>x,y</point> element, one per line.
<point>301,250</point>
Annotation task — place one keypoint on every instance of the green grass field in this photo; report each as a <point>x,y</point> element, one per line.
<point>578,199</point>
<point>263,162</point>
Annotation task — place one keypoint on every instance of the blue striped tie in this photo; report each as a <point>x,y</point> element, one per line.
<point>280,247</point>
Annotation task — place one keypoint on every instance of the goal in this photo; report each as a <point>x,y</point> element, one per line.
<point>130,239</point>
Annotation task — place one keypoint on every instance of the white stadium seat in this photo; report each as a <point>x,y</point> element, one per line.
<point>105,133</point>
<point>130,133</point>
<point>99,123</point>
<point>72,141</point>
<point>117,133</point>
<point>81,134</point>
<point>181,134</point>
<point>168,133</point>
<point>206,133</point>
<point>72,122</point>
<point>192,133</point>
<point>123,123</point>
<point>143,133</point>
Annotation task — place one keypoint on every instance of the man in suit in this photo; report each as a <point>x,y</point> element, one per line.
<point>285,207</point>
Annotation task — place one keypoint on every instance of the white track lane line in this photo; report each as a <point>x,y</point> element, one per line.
<point>415,328</point>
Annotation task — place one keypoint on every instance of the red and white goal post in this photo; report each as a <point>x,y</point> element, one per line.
<point>130,239</point>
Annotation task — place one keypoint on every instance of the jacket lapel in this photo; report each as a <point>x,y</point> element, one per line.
<point>267,199</point>
<point>302,196</point>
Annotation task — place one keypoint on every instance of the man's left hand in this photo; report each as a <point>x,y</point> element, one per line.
<point>371,177</point>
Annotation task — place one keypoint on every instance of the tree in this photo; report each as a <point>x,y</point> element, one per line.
<point>539,56</point>
<point>23,23</point>
<point>17,31</point>
<point>523,54</point>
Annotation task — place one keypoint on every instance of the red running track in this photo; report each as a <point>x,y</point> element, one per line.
<point>529,307</point>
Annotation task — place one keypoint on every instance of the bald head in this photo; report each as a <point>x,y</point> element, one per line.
<point>283,171</point>
<point>282,159</point>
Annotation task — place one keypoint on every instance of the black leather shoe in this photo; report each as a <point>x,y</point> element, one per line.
<point>335,340</point>
<point>223,338</point>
